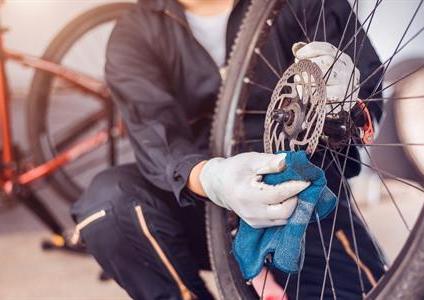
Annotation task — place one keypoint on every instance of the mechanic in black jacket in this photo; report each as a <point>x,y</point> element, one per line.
<point>143,222</point>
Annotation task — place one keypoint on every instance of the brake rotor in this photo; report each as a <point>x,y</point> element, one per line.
<point>296,113</point>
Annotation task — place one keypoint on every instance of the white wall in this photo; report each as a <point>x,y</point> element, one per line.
<point>33,24</point>
<point>390,22</point>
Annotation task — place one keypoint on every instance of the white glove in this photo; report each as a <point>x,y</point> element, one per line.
<point>339,83</point>
<point>236,184</point>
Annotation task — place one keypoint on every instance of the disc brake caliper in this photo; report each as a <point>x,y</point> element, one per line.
<point>363,122</point>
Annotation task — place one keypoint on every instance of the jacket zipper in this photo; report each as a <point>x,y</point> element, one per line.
<point>186,294</point>
<point>87,221</point>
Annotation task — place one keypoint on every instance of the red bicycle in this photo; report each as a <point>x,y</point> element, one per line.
<point>73,128</point>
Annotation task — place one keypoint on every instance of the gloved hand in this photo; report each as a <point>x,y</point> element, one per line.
<point>339,83</point>
<point>236,184</point>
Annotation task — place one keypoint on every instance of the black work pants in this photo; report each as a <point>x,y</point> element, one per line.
<point>154,249</point>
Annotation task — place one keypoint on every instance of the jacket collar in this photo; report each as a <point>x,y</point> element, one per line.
<point>168,7</point>
<point>171,5</point>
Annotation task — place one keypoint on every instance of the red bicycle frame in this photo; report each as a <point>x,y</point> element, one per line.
<point>9,175</point>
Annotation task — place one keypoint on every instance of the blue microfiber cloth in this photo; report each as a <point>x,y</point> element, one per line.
<point>285,243</point>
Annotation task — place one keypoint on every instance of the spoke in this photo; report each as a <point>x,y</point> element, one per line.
<point>347,186</point>
<point>327,261</point>
<point>385,173</point>
<point>277,52</point>
<point>251,112</point>
<point>352,39</point>
<point>393,98</point>
<point>393,54</point>
<point>252,141</point>
<point>324,24</point>
<point>298,284</point>
<point>382,66</point>
<point>343,36</point>
<point>377,247</point>
<point>379,99</point>
<point>355,59</point>
<point>381,90</point>
<point>323,158</point>
<point>286,285</point>
<point>326,256</point>
<point>298,21</point>
<point>249,81</point>
<point>321,13</point>
<point>397,46</point>
<point>389,145</point>
<point>266,61</point>
<point>305,23</point>
<point>333,226</point>
<point>370,17</point>
<point>331,162</point>
<point>389,192</point>
<point>373,239</point>
<point>352,226</point>
<point>397,81</point>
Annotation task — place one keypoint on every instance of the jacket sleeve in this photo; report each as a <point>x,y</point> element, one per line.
<point>157,127</point>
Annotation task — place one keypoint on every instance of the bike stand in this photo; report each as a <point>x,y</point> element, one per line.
<point>58,240</point>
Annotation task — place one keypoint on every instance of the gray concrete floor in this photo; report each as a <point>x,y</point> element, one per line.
<point>28,273</point>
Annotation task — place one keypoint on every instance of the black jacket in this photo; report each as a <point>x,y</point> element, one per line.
<point>165,84</point>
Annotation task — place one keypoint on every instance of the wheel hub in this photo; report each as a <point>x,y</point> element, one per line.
<point>296,113</point>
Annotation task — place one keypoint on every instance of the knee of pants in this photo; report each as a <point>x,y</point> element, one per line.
<point>111,187</point>
<point>105,213</point>
<point>114,194</point>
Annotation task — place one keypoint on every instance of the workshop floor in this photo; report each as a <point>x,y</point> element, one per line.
<point>28,273</point>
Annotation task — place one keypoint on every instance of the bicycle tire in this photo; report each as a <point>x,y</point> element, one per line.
<point>402,281</point>
<point>399,112</point>
<point>37,105</point>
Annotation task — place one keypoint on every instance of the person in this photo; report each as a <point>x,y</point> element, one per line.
<point>144,222</point>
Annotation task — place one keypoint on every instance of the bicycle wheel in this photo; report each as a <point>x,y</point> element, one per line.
<point>59,115</point>
<point>245,96</point>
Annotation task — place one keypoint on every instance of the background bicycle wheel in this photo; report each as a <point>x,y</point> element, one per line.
<point>55,275</point>
<point>33,25</point>
<point>60,116</point>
